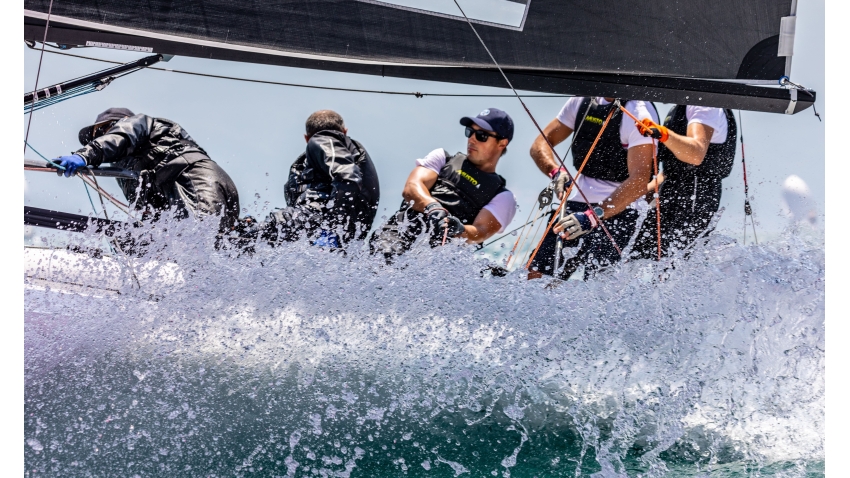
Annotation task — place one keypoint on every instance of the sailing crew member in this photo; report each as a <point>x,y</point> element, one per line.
<point>332,191</point>
<point>697,151</point>
<point>451,196</point>
<point>616,174</point>
<point>173,170</point>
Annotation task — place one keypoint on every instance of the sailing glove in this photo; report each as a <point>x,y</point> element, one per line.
<point>647,127</point>
<point>71,164</point>
<point>435,213</point>
<point>560,181</point>
<point>454,226</point>
<point>576,224</point>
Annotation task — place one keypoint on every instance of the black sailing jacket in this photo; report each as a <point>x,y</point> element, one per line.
<point>175,171</point>
<point>336,177</point>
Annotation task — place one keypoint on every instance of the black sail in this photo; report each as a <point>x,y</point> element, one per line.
<point>674,52</point>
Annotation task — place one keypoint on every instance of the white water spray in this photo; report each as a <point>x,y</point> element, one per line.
<point>297,361</point>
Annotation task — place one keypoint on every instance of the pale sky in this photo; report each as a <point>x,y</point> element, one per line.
<point>255,131</point>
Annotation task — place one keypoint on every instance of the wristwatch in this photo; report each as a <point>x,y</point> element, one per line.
<point>600,213</point>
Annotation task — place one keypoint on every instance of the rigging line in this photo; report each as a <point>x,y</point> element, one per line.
<point>38,73</point>
<point>569,190</point>
<point>298,85</point>
<point>657,197</point>
<point>521,234</point>
<point>566,193</point>
<point>123,207</point>
<point>748,209</point>
<point>58,166</point>
<point>552,147</point>
<point>525,235</point>
<point>507,233</point>
<point>94,178</point>
<point>536,232</point>
<point>96,214</point>
<point>559,242</point>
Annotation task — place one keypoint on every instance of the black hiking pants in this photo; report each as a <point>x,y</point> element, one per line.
<point>595,248</point>
<point>399,233</point>
<point>194,184</point>
<point>687,206</point>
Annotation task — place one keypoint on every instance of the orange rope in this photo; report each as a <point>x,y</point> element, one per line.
<point>569,190</point>
<point>657,196</point>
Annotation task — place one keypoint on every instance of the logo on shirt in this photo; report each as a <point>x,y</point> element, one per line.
<point>594,119</point>
<point>469,178</point>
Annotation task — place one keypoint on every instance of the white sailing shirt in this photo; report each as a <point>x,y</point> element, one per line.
<point>502,206</point>
<point>713,117</point>
<point>598,190</point>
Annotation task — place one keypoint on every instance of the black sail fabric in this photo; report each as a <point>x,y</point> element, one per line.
<point>643,50</point>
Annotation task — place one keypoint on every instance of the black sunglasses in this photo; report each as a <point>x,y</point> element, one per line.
<point>99,130</point>
<point>480,135</point>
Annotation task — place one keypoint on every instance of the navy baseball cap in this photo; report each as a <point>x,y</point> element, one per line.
<point>492,119</point>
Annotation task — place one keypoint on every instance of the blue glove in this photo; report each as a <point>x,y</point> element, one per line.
<point>576,224</point>
<point>71,164</point>
<point>327,239</point>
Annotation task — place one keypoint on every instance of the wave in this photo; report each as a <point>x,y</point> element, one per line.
<point>298,361</point>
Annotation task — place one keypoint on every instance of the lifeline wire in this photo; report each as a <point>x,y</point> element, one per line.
<point>507,233</point>
<point>297,85</point>
<point>551,146</point>
<point>38,73</point>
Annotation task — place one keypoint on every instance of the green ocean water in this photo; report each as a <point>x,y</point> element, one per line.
<point>96,421</point>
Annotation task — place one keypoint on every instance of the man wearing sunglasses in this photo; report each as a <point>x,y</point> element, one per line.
<point>173,170</point>
<point>615,176</point>
<point>455,196</point>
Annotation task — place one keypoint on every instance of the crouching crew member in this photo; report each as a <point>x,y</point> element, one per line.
<point>332,193</point>
<point>173,170</point>
<point>616,174</point>
<point>697,151</point>
<point>457,195</point>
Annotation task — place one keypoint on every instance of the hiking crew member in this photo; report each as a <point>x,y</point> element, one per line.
<point>616,174</point>
<point>332,193</point>
<point>456,195</point>
<point>697,151</point>
<point>174,172</point>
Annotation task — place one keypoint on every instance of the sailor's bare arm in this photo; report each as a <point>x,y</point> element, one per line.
<point>690,149</point>
<point>640,172</point>
<point>541,153</point>
<point>417,187</point>
<point>484,226</point>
